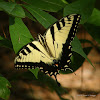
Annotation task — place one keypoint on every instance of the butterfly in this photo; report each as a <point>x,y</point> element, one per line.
<point>52,51</point>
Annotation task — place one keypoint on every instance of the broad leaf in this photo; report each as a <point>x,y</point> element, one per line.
<point>82,7</point>
<point>93,30</point>
<point>95,17</point>
<point>93,25</point>
<point>1,8</point>
<point>4,88</point>
<point>19,33</point>
<point>48,5</point>
<point>44,18</point>
<point>1,0</point>
<point>35,72</point>
<point>28,15</point>
<point>86,41</point>
<point>12,9</point>
<point>5,43</point>
<point>76,47</point>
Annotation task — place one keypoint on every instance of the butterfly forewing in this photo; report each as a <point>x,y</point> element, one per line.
<point>58,34</point>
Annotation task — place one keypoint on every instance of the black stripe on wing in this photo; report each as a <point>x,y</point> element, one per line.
<point>52,32</point>
<point>32,45</point>
<point>63,22</point>
<point>28,50</point>
<point>23,52</point>
<point>58,25</point>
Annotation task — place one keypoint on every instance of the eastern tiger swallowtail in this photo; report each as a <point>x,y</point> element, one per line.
<point>52,51</point>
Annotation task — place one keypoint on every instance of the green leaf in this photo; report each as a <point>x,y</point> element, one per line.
<point>1,38</point>
<point>35,72</point>
<point>95,17</point>
<point>79,59</point>
<point>44,18</point>
<point>5,43</point>
<point>86,41</point>
<point>19,33</point>
<point>48,5</point>
<point>28,15</point>
<point>12,9</point>
<point>93,25</point>
<point>93,30</point>
<point>64,1</point>
<point>82,7</point>
<point>76,47</point>
<point>1,8</point>
<point>4,88</point>
<point>1,0</point>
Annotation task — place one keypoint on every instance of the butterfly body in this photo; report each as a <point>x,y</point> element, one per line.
<point>52,51</point>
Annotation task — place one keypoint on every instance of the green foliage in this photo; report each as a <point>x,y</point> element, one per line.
<point>35,72</point>
<point>93,25</point>
<point>12,9</point>
<point>28,15</point>
<point>86,41</point>
<point>1,0</point>
<point>94,18</point>
<point>82,7</point>
<point>39,10</point>
<point>19,33</point>
<point>48,5</point>
<point>44,18</point>
<point>78,49</point>
<point>4,88</point>
<point>93,31</point>
<point>5,42</point>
